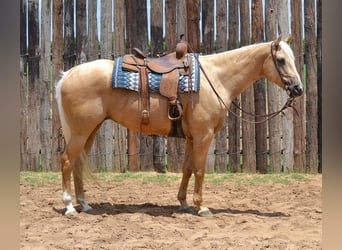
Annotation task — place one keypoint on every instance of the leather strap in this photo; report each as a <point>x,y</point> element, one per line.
<point>144,97</point>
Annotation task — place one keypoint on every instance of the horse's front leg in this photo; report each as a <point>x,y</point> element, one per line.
<point>200,152</point>
<point>187,172</point>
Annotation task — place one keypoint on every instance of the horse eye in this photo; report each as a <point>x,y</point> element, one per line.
<point>281,61</point>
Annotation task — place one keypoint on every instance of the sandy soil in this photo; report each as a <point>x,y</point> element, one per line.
<point>132,214</point>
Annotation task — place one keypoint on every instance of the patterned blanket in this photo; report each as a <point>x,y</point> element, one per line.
<point>130,80</point>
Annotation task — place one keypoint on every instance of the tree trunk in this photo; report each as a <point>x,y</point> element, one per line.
<point>120,132</point>
<point>23,87</point>
<point>298,121</point>
<point>57,62</point>
<point>45,86</point>
<point>311,87</point>
<point>274,125</point>
<point>156,51</point>
<point>221,45</point>
<point>247,100</point>
<point>233,121</point>
<point>259,92</point>
<point>33,137</point>
<point>287,118</point>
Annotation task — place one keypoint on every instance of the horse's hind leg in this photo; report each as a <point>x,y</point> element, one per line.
<point>68,159</point>
<point>78,182</point>
<point>78,170</point>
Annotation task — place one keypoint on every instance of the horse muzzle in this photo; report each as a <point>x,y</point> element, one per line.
<point>295,90</point>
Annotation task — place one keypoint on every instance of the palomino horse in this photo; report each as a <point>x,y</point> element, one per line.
<point>86,98</point>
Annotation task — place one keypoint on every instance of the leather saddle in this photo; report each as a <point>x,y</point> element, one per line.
<point>172,67</point>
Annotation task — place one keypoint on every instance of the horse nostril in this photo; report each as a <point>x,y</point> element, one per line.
<point>298,89</point>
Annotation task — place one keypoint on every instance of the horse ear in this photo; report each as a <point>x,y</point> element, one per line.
<point>289,39</point>
<point>277,41</point>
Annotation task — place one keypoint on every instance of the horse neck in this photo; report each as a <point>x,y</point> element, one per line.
<point>237,69</point>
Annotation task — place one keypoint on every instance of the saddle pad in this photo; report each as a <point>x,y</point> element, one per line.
<point>130,80</point>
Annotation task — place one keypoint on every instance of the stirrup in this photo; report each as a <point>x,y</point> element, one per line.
<point>175,111</point>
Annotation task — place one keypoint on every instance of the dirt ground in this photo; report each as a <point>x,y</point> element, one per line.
<point>133,214</point>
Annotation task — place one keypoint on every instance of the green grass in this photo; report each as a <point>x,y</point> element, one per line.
<point>54,178</point>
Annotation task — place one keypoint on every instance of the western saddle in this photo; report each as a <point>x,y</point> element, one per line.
<point>171,66</point>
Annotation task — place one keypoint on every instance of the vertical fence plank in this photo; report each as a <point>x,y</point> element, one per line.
<point>221,146</point>
<point>170,19</point>
<point>105,135</point>
<point>233,121</point>
<point>192,19</point>
<point>287,117</point>
<point>311,87</point>
<point>141,41</point>
<point>259,91</point>
<point>298,121</point>
<point>57,67</point>
<point>273,95</point>
<point>33,137</point>
<point>247,100</point>
<point>319,81</point>
<point>81,31</point>
<point>132,137</point>
<point>23,89</point>
<point>93,54</point>
<point>181,19</point>
<point>157,50</point>
<point>120,133</point>
<point>208,48</point>
<point>45,93</point>
<point>69,45</point>
<point>173,161</point>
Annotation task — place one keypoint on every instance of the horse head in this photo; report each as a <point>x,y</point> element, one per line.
<point>280,68</point>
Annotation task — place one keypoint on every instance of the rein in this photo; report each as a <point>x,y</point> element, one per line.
<point>289,103</point>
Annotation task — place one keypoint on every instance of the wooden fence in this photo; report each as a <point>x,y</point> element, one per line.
<point>60,38</point>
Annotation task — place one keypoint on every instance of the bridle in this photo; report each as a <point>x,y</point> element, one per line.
<point>289,103</point>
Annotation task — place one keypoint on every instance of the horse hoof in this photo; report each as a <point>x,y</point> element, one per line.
<point>70,212</point>
<point>186,210</point>
<point>86,208</point>
<point>204,212</point>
